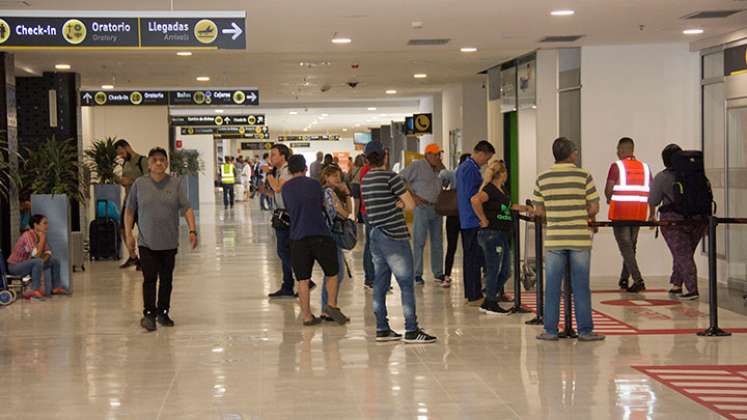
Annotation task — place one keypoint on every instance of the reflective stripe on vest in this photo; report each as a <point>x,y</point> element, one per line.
<point>226,174</point>
<point>629,199</point>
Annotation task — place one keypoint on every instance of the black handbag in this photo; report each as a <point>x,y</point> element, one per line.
<point>281,219</point>
<point>345,233</point>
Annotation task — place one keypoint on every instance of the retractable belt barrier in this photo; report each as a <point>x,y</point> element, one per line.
<point>712,222</point>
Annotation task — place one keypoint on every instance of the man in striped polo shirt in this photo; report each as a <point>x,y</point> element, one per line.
<point>385,196</point>
<point>567,198</point>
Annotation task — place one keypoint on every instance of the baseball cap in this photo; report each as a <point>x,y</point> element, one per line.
<point>373,147</point>
<point>433,149</point>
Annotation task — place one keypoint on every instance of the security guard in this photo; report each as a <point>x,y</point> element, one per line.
<point>228,179</point>
<point>628,186</point>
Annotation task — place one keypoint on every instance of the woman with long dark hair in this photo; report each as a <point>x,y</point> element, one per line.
<point>32,255</point>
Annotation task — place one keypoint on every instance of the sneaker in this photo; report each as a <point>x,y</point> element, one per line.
<point>546,336</point>
<point>675,291</point>
<point>637,286</point>
<point>623,284</point>
<point>592,336</point>
<point>163,319</point>
<point>419,281</point>
<point>389,335</point>
<point>336,314</point>
<point>33,294</point>
<point>492,308</point>
<point>419,337</point>
<point>282,294</point>
<point>689,296</point>
<point>148,322</point>
<point>130,262</point>
<point>60,291</point>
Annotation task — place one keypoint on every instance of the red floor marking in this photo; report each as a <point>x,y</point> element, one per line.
<point>594,292</point>
<point>608,325</point>
<point>721,389</point>
<point>641,302</point>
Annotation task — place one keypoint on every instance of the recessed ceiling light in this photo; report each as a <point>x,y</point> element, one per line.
<point>325,115</point>
<point>357,125</point>
<point>107,87</point>
<point>203,78</point>
<point>344,130</point>
<point>562,13</point>
<point>218,111</point>
<point>692,31</point>
<point>372,108</point>
<point>340,39</point>
<point>62,66</point>
<point>293,113</point>
<point>391,92</point>
<point>420,75</point>
<point>468,49</point>
<point>184,53</point>
<point>305,129</point>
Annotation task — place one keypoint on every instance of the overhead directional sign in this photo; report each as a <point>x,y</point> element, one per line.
<point>233,129</point>
<point>218,120</point>
<point>247,135</point>
<point>214,97</point>
<point>123,97</point>
<point>308,138</point>
<point>136,29</point>
<point>256,145</point>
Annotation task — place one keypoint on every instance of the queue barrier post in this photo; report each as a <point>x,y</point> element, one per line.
<point>517,308</point>
<point>713,330</point>
<point>539,273</point>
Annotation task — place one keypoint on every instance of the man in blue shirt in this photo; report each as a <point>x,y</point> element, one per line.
<point>468,181</point>
<point>310,239</point>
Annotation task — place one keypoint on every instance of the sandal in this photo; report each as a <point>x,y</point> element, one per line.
<point>325,317</point>
<point>313,321</point>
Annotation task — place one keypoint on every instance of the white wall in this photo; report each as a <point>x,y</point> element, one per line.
<point>204,144</point>
<point>649,93</point>
<point>547,107</point>
<point>527,152</point>
<point>451,112</point>
<point>474,113</point>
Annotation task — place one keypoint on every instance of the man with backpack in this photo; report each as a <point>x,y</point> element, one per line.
<point>627,191</point>
<point>133,167</point>
<point>684,193</point>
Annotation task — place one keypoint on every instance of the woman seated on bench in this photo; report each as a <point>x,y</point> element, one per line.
<point>33,256</point>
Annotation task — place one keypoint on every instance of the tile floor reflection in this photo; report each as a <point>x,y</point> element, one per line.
<point>236,355</point>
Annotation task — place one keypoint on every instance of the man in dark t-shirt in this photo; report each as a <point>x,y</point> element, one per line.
<point>310,239</point>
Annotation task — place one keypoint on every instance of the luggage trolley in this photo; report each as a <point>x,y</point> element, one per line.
<point>529,259</point>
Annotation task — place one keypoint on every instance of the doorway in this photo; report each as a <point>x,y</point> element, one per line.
<point>511,152</point>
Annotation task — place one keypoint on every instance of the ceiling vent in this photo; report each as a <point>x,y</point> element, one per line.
<point>712,14</point>
<point>428,42</point>
<point>561,38</point>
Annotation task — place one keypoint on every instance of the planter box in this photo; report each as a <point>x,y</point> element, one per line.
<point>57,209</point>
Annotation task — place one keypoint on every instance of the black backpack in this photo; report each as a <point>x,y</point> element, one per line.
<point>692,193</point>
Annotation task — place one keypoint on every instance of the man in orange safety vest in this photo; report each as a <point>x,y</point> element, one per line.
<point>628,185</point>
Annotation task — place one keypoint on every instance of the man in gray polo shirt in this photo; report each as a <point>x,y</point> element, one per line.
<point>425,185</point>
<point>157,200</point>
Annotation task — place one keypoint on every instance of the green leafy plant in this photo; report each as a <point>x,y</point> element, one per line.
<point>53,168</point>
<point>101,159</point>
<point>186,162</point>
<point>8,177</point>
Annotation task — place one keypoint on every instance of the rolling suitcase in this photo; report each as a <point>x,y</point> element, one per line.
<point>104,241</point>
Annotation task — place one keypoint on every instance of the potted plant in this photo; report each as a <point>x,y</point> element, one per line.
<point>53,175</point>
<point>101,161</point>
<point>9,178</point>
<point>186,164</point>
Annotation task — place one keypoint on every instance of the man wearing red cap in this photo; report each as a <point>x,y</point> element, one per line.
<point>425,185</point>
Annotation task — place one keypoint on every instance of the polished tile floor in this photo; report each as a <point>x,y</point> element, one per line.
<point>236,355</point>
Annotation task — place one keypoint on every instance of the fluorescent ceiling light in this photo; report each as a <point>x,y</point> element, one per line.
<point>293,113</point>
<point>562,13</point>
<point>339,39</point>
<point>344,129</point>
<point>692,31</point>
<point>184,53</point>
<point>420,75</point>
<point>62,66</point>
<point>391,92</point>
<point>372,108</point>
<point>468,49</point>
<point>107,87</point>
<point>305,129</point>
<point>203,78</point>
<point>325,115</point>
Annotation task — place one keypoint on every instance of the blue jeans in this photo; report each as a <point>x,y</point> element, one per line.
<point>368,265</point>
<point>556,262</point>
<point>472,262</point>
<point>228,195</point>
<point>425,221</point>
<point>35,267</point>
<point>495,246</point>
<point>282,242</point>
<point>391,256</point>
<point>340,277</point>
